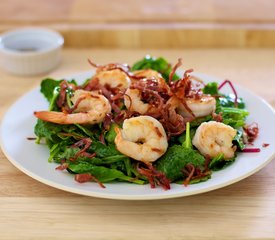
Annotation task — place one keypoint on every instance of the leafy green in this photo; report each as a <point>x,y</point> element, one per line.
<point>177,156</point>
<point>234,117</point>
<point>55,94</point>
<point>238,140</point>
<point>211,88</point>
<point>218,162</point>
<point>50,89</point>
<point>102,150</point>
<point>175,159</point>
<point>229,101</point>
<point>48,86</point>
<point>224,100</point>
<point>90,132</point>
<point>111,134</point>
<point>103,174</point>
<point>188,142</point>
<point>199,180</point>
<point>182,137</point>
<point>128,166</point>
<point>69,153</point>
<point>158,64</point>
<point>196,180</point>
<point>50,130</point>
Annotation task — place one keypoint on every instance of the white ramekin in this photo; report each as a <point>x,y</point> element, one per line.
<point>30,51</point>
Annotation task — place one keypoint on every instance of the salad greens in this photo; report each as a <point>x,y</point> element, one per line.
<point>182,162</point>
<point>177,156</point>
<point>158,64</point>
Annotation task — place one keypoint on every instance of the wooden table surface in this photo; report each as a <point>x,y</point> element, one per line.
<point>244,210</point>
<point>147,24</point>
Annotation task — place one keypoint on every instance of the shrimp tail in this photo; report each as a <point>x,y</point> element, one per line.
<point>61,118</point>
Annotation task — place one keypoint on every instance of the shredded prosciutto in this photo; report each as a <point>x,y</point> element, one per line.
<point>62,95</point>
<point>111,66</point>
<point>154,177</point>
<point>252,131</point>
<point>62,166</point>
<point>107,121</point>
<point>174,69</point>
<point>83,177</point>
<point>251,150</point>
<point>101,139</point>
<point>217,117</point>
<point>191,170</point>
<point>86,142</point>
<point>87,177</point>
<point>70,135</point>
<point>31,138</point>
<point>79,100</point>
<point>88,155</point>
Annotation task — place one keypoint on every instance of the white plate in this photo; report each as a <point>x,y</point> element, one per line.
<point>31,158</point>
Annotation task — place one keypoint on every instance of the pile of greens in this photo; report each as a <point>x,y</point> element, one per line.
<point>109,165</point>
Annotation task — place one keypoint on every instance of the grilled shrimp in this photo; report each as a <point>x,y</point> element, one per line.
<point>154,76</point>
<point>133,102</point>
<point>151,84</point>
<point>213,138</point>
<point>199,107</point>
<point>90,108</point>
<point>203,106</point>
<point>114,78</point>
<point>142,138</point>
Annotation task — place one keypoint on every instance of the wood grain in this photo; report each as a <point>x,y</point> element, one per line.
<point>106,11</point>
<point>244,210</point>
<point>143,24</point>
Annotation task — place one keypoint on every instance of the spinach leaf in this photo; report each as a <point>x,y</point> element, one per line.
<point>48,86</point>
<point>102,150</point>
<point>68,153</point>
<point>103,174</point>
<point>91,132</point>
<point>50,130</point>
<point>158,64</point>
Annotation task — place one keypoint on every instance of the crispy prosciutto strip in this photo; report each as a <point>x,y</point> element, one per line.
<point>111,66</point>
<point>252,131</point>
<point>87,143</point>
<point>87,177</point>
<point>190,170</point>
<point>154,177</point>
